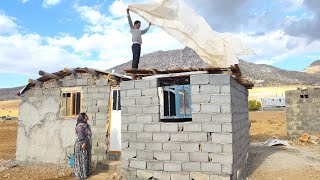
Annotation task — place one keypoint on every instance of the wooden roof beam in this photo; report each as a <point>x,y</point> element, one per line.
<point>36,82</point>
<point>48,75</point>
<point>70,71</point>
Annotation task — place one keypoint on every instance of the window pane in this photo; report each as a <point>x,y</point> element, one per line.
<point>78,103</point>
<point>68,104</point>
<point>181,100</point>
<point>166,102</point>
<point>186,101</point>
<point>114,99</point>
<point>63,106</point>
<point>172,102</point>
<point>119,105</point>
<point>74,99</point>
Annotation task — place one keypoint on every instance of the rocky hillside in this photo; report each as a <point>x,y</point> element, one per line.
<point>314,68</point>
<point>9,93</point>
<point>260,74</point>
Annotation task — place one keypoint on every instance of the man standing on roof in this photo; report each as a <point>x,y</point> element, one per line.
<point>136,39</point>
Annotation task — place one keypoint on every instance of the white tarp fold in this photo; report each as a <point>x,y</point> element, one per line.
<point>181,22</point>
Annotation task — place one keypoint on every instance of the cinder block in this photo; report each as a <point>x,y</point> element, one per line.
<point>135,127</point>
<point>152,127</point>
<point>211,147</point>
<point>176,147</point>
<point>128,136</point>
<point>199,157</point>
<point>225,89</point>
<point>161,156</point>
<point>82,82</point>
<point>139,164</point>
<point>134,93</point>
<point>179,176</point>
<point>179,137</point>
<point>154,83</point>
<point>128,101</point>
<point>144,136</point>
<point>211,127</point>
<point>180,156</point>
<point>172,166</point>
<point>192,127</point>
<point>191,166</point>
<point>198,137</point>
<point>137,145</point>
<point>124,144</point>
<point>209,89</point>
<point>93,90</point>
<point>199,176</point>
<point>150,92</point>
<point>155,165</point>
<point>188,147</point>
<point>153,146</point>
<point>221,158</point>
<point>210,108</point>
<point>222,118</point>
<point>200,98</point>
<point>199,79</point>
<point>220,79</point>
<point>199,117</point>
<point>161,175</point>
<point>161,137</point>
<point>128,154</point>
<point>140,84</point>
<point>144,101</point>
<point>145,155</point>
<point>142,174</point>
<point>219,177</point>
<point>124,164</point>
<point>134,109</point>
<point>144,118</point>
<point>221,138</point>
<point>227,127</point>
<point>127,85</point>
<point>211,167</point>
<point>128,118</point>
<point>195,89</point>
<point>221,99</point>
<point>227,168</point>
<point>169,127</point>
<point>226,108</point>
<point>152,109</point>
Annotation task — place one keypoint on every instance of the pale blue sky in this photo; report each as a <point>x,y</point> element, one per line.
<point>52,34</point>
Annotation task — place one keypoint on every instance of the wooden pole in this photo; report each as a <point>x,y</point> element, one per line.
<point>71,71</point>
<point>91,71</point>
<point>36,82</point>
<point>48,75</point>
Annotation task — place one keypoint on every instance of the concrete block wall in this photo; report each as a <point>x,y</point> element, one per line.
<point>302,111</point>
<point>204,148</point>
<point>42,130</point>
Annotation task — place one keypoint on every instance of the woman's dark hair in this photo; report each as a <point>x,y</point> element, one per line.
<point>137,22</point>
<point>83,115</point>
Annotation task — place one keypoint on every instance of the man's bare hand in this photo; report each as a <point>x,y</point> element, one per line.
<point>84,146</point>
<point>128,10</point>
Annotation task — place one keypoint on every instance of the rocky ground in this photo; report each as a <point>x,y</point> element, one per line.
<point>298,161</point>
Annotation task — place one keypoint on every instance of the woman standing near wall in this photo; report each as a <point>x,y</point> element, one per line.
<point>82,148</point>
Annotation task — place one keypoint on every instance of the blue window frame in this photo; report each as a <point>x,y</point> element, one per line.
<point>176,102</point>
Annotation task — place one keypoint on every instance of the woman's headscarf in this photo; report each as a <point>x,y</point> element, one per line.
<point>80,118</point>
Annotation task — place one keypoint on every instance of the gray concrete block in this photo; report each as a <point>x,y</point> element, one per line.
<point>210,108</point>
<point>221,99</point>
<point>179,137</point>
<point>128,101</point>
<point>227,127</point>
<point>200,98</point>
<point>192,127</point>
<point>153,146</point>
<point>154,83</point>
<point>198,137</point>
<point>93,109</point>
<point>161,156</point>
<point>144,136</point>
<point>152,127</point>
<point>161,175</point>
<point>82,82</point>
<point>195,89</point>
<point>222,118</point>
<point>199,176</point>
<point>140,84</point>
<point>209,89</point>
<point>129,136</point>
<point>227,168</point>
<point>128,154</point>
<point>188,147</point>
<point>137,145</point>
<point>226,108</point>
<point>179,176</point>
<point>161,137</point>
<point>219,177</point>
<point>144,101</point>
<point>128,118</point>
<point>169,127</point>
<point>127,85</point>
<point>220,79</point>
<point>225,89</point>
<point>93,90</point>
<point>145,155</point>
<point>211,147</point>
<point>172,166</point>
<point>155,165</point>
<point>199,79</point>
<point>175,146</point>
<point>151,109</point>
<point>143,118</point>
<point>102,115</point>
<point>124,144</point>
<point>70,83</point>
<point>221,138</point>
<point>105,90</point>
<point>134,109</point>
<point>150,92</point>
<point>211,167</point>
<point>191,166</point>
<point>199,156</point>
<point>135,127</point>
<point>221,158</point>
<point>211,127</point>
<point>134,93</point>
<point>124,164</point>
<point>143,174</point>
<point>180,156</point>
<point>199,117</point>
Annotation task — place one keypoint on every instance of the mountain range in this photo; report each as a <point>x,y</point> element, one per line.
<point>260,74</point>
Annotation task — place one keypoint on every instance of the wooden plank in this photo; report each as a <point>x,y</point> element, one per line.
<point>90,71</point>
<point>68,70</point>
<point>175,74</point>
<point>36,82</point>
<point>48,75</point>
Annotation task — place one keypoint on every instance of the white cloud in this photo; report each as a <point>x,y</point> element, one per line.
<point>50,3</point>
<point>7,24</point>
<point>24,1</point>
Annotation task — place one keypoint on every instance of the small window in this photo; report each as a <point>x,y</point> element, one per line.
<point>71,104</point>
<point>306,96</point>
<point>176,103</point>
<point>116,106</point>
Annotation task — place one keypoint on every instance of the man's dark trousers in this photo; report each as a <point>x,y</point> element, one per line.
<point>136,49</point>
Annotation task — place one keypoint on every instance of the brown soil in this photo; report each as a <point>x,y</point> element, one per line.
<point>299,161</point>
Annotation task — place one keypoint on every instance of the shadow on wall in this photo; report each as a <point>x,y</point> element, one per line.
<point>258,154</point>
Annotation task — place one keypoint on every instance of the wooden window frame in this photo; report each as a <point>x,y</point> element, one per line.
<point>74,93</point>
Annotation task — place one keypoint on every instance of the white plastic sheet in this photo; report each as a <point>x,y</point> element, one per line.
<point>181,22</point>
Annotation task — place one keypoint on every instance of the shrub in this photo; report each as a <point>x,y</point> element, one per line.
<point>254,105</point>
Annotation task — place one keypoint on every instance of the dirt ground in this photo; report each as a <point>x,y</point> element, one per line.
<point>9,108</point>
<point>298,161</point>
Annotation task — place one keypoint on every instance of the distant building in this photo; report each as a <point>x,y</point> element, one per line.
<point>273,102</point>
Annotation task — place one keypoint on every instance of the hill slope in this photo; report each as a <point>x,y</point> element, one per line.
<point>9,93</point>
